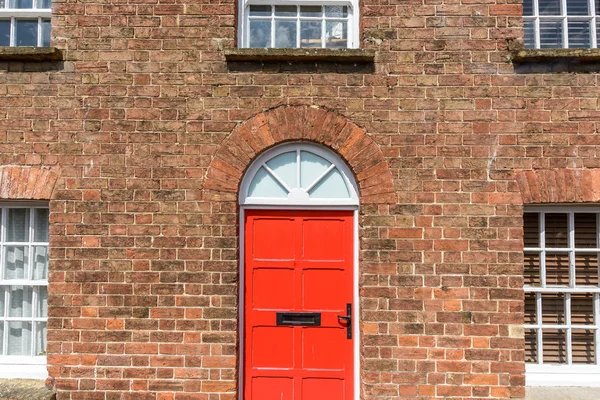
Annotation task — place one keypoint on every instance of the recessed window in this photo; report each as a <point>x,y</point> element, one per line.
<point>555,24</point>
<point>25,22</point>
<point>562,303</point>
<point>289,25</point>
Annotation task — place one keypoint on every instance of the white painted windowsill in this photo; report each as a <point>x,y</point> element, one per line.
<point>562,375</point>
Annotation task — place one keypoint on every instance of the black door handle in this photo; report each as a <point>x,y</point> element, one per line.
<point>347,318</point>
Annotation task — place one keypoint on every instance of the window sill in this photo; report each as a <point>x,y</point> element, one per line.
<point>30,54</point>
<point>562,375</point>
<point>554,55</point>
<point>302,55</point>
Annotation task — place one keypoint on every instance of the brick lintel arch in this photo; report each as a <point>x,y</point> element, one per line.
<point>563,185</point>
<point>26,183</point>
<point>296,123</point>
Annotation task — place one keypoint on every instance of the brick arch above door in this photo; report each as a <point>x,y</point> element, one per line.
<point>301,123</point>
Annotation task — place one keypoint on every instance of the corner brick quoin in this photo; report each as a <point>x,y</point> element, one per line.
<point>26,183</point>
<point>300,123</point>
<point>559,186</point>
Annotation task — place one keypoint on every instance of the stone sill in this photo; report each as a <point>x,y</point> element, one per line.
<point>302,55</point>
<point>30,54</point>
<point>554,55</point>
<point>24,389</point>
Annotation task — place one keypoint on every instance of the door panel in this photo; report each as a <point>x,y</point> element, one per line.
<point>298,262</point>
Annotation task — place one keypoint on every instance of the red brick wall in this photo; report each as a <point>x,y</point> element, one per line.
<point>144,281</point>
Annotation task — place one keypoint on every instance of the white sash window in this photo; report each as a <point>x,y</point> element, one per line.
<point>25,22</point>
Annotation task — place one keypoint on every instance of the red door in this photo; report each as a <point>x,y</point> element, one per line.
<point>298,286</point>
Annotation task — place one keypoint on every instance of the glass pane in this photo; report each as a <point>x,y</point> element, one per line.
<point>556,230</point>
<point>2,297</point>
<point>530,308</point>
<point>40,224</point>
<point>585,230</point>
<point>15,261</point>
<point>21,300</point>
<point>284,166</point>
<point>40,263</point>
<point>527,7</point>
<point>332,186</point>
<point>529,34</point>
<point>579,34</point>
<point>260,11</point>
<point>549,7</point>
<point>311,167</point>
<point>554,346</point>
<point>531,346</point>
<point>586,269</point>
<point>577,7</point>
<point>557,269</point>
<point>40,338</point>
<point>285,34</point>
<point>42,302</point>
<point>45,32</point>
<point>550,35</point>
<point>19,339</point>
<point>26,33</point>
<point>4,33</point>
<point>44,4</point>
<point>260,33</point>
<point>20,4</point>
<point>18,225</point>
<point>582,309</point>
<point>336,11</point>
<point>2,3</point>
<point>311,11</point>
<point>531,230</point>
<point>310,34</point>
<point>553,308</point>
<point>582,346</point>
<point>531,269</point>
<point>286,11</point>
<point>264,185</point>
<point>336,34</point>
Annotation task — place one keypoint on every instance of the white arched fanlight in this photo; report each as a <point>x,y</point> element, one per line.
<point>299,174</point>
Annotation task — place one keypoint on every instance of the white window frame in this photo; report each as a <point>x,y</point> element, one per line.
<point>563,18</point>
<point>568,374</point>
<point>29,14</point>
<point>353,18</point>
<point>24,367</point>
<point>333,204</point>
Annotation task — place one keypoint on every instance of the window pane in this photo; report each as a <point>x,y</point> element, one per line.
<point>577,7</point>
<point>20,4</point>
<point>40,338</point>
<point>286,11</point>
<point>336,34</point>
<point>310,34</point>
<point>40,263</point>
<point>260,33</point>
<point>260,11</point>
<point>264,185</point>
<point>554,346</point>
<point>15,260</point>
<point>285,34</point>
<point>556,230</point>
<point>550,35</point>
<point>331,186</point>
<point>284,166</point>
<point>45,32</point>
<point>18,225</point>
<point>582,346</point>
<point>549,7</point>
<point>582,309</point>
<point>585,230</point>
<point>586,269</point>
<point>19,339</point>
<point>26,33</point>
<point>42,302</point>
<point>527,7</point>
<point>557,269</point>
<point>531,346</point>
<point>44,4</point>
<point>21,300</point>
<point>2,296</point>
<point>529,34</point>
<point>530,308</point>
<point>311,11</point>
<point>579,34</point>
<point>336,11</point>
<point>531,269</point>
<point>311,167</point>
<point>531,230</point>
<point>40,224</point>
<point>553,308</point>
<point>4,33</point>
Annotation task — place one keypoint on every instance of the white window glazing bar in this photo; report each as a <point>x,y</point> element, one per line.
<point>597,332</point>
<point>542,224</point>
<point>571,244</point>
<point>593,38</point>
<point>569,330</point>
<point>536,23</point>
<point>13,32</point>
<point>540,336</point>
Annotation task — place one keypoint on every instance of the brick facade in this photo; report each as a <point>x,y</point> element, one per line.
<point>141,136</point>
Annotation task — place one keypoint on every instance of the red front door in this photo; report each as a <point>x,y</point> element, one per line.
<point>298,283</point>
